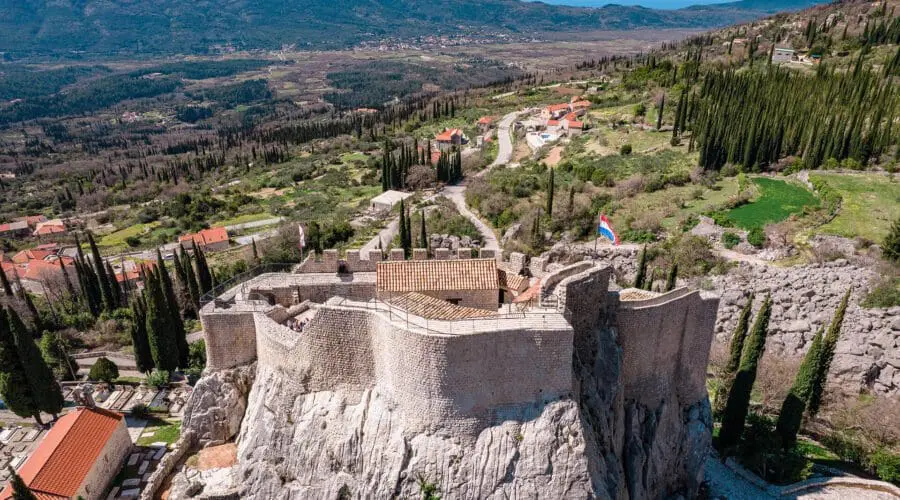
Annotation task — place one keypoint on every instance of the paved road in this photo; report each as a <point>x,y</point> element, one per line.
<point>385,236</point>
<point>457,194</point>
<point>505,151</point>
<point>251,225</point>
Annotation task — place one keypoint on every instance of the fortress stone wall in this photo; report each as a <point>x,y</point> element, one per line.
<point>456,379</point>
<point>665,345</point>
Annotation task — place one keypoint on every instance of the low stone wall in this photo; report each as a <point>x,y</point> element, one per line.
<point>431,377</point>
<point>171,459</point>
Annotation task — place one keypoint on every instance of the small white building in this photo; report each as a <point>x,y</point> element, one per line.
<point>782,55</point>
<point>385,201</point>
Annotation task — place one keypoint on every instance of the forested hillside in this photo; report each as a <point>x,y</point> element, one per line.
<point>94,27</point>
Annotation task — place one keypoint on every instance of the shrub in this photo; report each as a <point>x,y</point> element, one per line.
<point>133,241</point>
<point>891,245</point>
<point>141,411</point>
<point>730,240</point>
<point>831,199</point>
<point>625,149</point>
<point>158,378</point>
<point>886,465</point>
<point>886,293</point>
<point>756,237</point>
<point>104,370</point>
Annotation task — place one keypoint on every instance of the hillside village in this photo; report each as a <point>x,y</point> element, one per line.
<point>673,272</point>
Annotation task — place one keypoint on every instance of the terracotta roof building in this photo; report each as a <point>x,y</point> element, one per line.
<point>79,457</point>
<point>431,308</point>
<point>465,282</point>
<point>209,240</point>
<point>450,137</point>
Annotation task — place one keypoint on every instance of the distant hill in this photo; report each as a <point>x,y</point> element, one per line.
<point>759,6</point>
<point>122,27</point>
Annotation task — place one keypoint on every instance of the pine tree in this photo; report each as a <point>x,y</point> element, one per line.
<point>45,389</point>
<point>735,415</point>
<point>4,282</point>
<point>142,355</point>
<point>641,269</point>
<point>14,386</point>
<point>829,344</point>
<point>204,276</point>
<point>790,417</point>
<point>551,187</point>
<point>19,490</point>
<point>672,278</point>
<point>175,321</point>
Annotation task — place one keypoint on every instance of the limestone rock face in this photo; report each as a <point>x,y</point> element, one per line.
<point>218,404</point>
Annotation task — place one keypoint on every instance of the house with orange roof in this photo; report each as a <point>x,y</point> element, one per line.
<point>15,229</point>
<point>485,122</point>
<point>449,138</point>
<point>214,239</point>
<point>32,220</point>
<point>49,228</point>
<point>555,111</point>
<point>78,458</point>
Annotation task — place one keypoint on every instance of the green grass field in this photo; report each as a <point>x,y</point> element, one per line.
<point>777,201</point>
<point>243,219</point>
<point>117,239</point>
<point>871,202</point>
<point>163,431</point>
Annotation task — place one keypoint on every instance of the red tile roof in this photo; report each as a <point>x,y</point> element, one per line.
<point>447,135</point>
<point>486,120</point>
<point>33,220</point>
<point>40,270</point>
<point>60,464</point>
<point>581,104</point>
<point>437,275</point>
<point>49,229</point>
<point>552,123</point>
<point>26,256</point>
<point>207,236</point>
<point>557,107</point>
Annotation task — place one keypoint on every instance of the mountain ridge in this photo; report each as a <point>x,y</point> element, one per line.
<point>122,27</point>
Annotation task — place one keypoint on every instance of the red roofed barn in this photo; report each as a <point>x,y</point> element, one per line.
<point>79,457</point>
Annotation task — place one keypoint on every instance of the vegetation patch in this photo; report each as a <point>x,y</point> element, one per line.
<point>777,201</point>
<point>164,431</point>
<point>870,203</point>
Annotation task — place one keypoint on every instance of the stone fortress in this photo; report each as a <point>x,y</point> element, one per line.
<point>484,378</point>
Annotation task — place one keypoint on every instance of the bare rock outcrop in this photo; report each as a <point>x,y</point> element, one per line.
<point>217,405</point>
<point>805,298</point>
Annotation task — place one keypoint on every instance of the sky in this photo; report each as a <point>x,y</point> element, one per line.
<point>654,4</point>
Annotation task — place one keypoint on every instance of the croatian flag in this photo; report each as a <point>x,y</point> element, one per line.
<point>302,243</point>
<point>605,229</point>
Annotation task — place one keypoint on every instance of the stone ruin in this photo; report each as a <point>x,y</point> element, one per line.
<point>586,393</point>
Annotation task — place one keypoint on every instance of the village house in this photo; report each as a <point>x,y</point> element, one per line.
<point>49,228</point>
<point>783,55</point>
<point>485,123</point>
<point>78,458</point>
<point>38,268</point>
<point>214,239</point>
<point>472,283</point>
<point>15,229</point>
<point>385,201</point>
<point>450,138</point>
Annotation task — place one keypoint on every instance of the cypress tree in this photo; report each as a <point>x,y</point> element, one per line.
<point>651,276</point>
<point>32,310</point>
<point>14,386</point>
<point>672,278</point>
<point>829,344</point>
<point>69,287</point>
<point>142,356</point>
<point>54,349</point>
<point>738,404</point>
<point>551,187</point>
<point>174,311</point>
<point>254,253</point>
<point>100,270</point>
<point>19,490</point>
<point>641,269</point>
<point>47,394</point>
<point>115,290</point>
<point>204,276</point>
<point>160,334</point>
<point>191,279</point>
<point>183,294</point>
<point>791,416</point>
<point>423,241</point>
<point>662,107</point>
<point>4,282</point>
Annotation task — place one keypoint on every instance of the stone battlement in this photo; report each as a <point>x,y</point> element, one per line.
<point>458,371</point>
<point>355,261</point>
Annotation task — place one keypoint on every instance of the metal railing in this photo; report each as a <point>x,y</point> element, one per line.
<point>460,326</point>
<point>242,277</point>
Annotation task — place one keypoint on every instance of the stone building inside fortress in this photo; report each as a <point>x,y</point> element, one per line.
<point>462,343</point>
